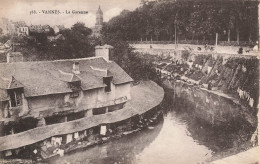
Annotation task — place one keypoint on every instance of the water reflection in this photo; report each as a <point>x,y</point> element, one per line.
<point>178,138</point>
<point>169,141</point>
<point>123,150</point>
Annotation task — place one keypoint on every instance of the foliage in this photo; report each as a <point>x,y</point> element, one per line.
<point>4,38</point>
<point>138,68</point>
<point>185,54</point>
<point>77,44</point>
<point>201,20</point>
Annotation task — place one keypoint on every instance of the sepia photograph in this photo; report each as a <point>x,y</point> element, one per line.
<point>129,81</point>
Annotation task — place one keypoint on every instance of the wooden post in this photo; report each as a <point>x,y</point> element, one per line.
<point>216,41</point>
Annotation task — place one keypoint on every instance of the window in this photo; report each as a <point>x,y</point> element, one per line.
<point>16,98</point>
<point>74,94</point>
<point>97,111</point>
<point>116,107</point>
<point>107,81</point>
<point>75,85</point>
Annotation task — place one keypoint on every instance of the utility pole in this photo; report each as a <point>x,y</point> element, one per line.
<point>175,36</point>
<point>216,41</point>
<point>175,28</point>
<point>258,26</point>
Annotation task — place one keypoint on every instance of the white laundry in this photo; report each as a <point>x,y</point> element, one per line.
<point>48,144</point>
<point>190,64</point>
<point>248,97</point>
<point>60,152</point>
<point>76,135</point>
<point>53,140</point>
<point>243,68</point>
<point>209,69</point>
<point>55,151</point>
<point>251,102</point>
<point>58,140</point>
<point>255,48</point>
<point>69,138</point>
<point>240,93</point>
<point>103,130</point>
<point>200,66</point>
<point>207,100</point>
<point>8,153</point>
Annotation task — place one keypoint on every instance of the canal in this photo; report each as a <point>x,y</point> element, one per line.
<point>180,138</point>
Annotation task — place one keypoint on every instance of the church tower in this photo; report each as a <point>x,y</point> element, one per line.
<point>99,22</point>
<point>99,16</point>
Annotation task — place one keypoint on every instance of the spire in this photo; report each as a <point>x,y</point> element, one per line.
<point>99,16</point>
<point>99,11</point>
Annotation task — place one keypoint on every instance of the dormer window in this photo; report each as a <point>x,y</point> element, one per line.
<point>75,85</point>
<point>107,81</point>
<point>15,90</point>
<point>15,97</point>
<point>74,94</point>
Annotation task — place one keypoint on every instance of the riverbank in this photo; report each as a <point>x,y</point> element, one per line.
<point>215,108</point>
<point>247,157</point>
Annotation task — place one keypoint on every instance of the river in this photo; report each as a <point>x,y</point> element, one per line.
<point>179,138</point>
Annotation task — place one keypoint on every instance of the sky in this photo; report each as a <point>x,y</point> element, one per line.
<point>19,10</point>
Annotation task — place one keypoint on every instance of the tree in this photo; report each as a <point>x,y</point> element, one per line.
<point>77,43</point>
<point>193,19</point>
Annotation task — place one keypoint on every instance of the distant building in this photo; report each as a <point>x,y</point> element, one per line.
<point>10,27</point>
<point>36,28</point>
<point>58,28</point>
<point>40,28</point>
<point>55,38</point>
<point>99,23</point>
<point>24,31</point>
<point>14,57</point>
<point>11,57</point>
<point>46,28</point>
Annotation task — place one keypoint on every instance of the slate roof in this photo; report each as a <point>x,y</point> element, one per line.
<point>51,77</point>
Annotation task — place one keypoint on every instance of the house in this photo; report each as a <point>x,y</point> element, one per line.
<point>46,28</point>
<point>13,28</point>
<point>36,28</point>
<point>14,57</point>
<point>55,38</point>
<point>58,28</point>
<point>38,90</point>
<point>48,102</point>
<point>23,31</point>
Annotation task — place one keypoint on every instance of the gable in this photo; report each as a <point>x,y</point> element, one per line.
<point>14,84</point>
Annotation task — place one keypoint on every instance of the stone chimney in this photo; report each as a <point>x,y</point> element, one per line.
<point>103,51</point>
<point>75,68</point>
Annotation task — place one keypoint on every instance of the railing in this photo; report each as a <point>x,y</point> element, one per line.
<point>197,42</point>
